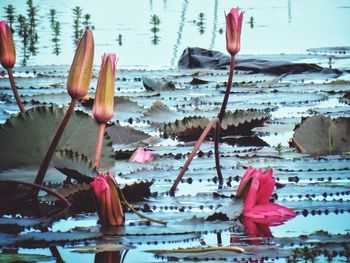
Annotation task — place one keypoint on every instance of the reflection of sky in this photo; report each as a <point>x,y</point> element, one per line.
<point>288,26</point>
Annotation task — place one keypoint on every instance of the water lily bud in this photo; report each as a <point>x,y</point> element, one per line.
<point>80,73</point>
<point>233,31</point>
<point>104,99</point>
<point>7,47</point>
<point>110,209</point>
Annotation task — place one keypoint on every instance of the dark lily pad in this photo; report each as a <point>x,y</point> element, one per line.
<point>157,84</point>
<point>240,122</point>
<point>100,248</point>
<point>320,135</point>
<point>25,138</point>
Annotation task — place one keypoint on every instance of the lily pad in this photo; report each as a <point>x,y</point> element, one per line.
<point>24,139</point>
<point>240,122</point>
<point>7,258</point>
<point>157,84</point>
<point>320,135</point>
<point>160,113</point>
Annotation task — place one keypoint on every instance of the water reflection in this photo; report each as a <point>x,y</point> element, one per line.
<point>32,20</point>
<point>251,22</point>
<point>78,31</point>
<point>213,36</point>
<point>155,22</point>
<point>289,12</point>
<point>179,32</point>
<point>10,15</point>
<point>111,256</point>
<point>56,29</point>
<point>200,23</point>
<point>23,34</point>
<point>120,40</point>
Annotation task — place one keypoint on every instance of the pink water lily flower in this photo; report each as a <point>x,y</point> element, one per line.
<point>256,188</point>
<point>141,156</point>
<point>233,31</point>
<point>110,209</point>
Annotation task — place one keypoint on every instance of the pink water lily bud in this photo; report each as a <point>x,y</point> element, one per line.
<point>234,21</point>
<point>7,47</point>
<point>141,156</point>
<point>110,209</point>
<point>104,99</point>
<point>256,188</point>
<point>80,73</point>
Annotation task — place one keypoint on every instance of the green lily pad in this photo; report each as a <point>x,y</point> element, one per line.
<point>25,138</point>
<point>320,135</point>
<point>24,258</point>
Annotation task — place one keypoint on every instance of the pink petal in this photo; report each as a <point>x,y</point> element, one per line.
<point>266,187</point>
<point>242,184</point>
<point>141,156</point>
<point>270,210</point>
<point>250,200</point>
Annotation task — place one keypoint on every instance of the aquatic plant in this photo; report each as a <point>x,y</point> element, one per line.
<point>279,148</point>
<point>256,188</point>
<point>102,110</point>
<point>8,58</point>
<point>32,23</point>
<point>110,209</point>
<point>23,34</point>
<point>79,78</point>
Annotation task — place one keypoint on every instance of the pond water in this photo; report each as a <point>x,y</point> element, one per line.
<point>124,27</point>
<point>149,37</point>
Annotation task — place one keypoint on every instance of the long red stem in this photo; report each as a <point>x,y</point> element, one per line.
<point>204,134</point>
<point>50,152</point>
<point>221,116</point>
<point>14,89</point>
<point>99,143</point>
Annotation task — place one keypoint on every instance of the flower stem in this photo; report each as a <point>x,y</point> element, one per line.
<point>101,131</point>
<point>50,152</point>
<point>204,134</point>
<point>14,89</point>
<point>221,117</point>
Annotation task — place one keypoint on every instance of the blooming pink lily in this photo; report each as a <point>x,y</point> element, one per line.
<point>109,206</point>
<point>141,156</point>
<point>233,31</point>
<point>256,188</point>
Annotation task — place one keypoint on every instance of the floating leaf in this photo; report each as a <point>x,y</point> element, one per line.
<point>24,258</point>
<point>160,113</point>
<point>100,248</point>
<point>319,135</point>
<point>126,135</point>
<point>24,139</point>
<point>239,122</point>
<point>157,84</point>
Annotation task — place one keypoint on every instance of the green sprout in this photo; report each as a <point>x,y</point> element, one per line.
<point>279,148</point>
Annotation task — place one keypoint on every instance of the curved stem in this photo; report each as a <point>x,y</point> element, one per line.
<point>53,249</point>
<point>221,117</point>
<point>56,139</point>
<point>14,89</point>
<point>204,134</point>
<point>101,131</point>
<point>44,188</point>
